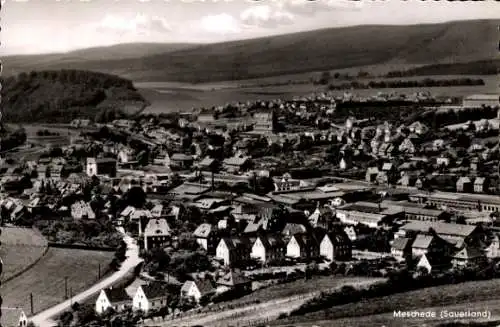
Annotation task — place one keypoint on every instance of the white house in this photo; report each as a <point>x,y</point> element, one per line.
<point>230,250</point>
<point>195,290</point>
<point>267,248</point>
<point>301,246</point>
<point>114,298</point>
<point>147,297</point>
<point>82,209</point>
<point>335,246</point>
<point>204,235</point>
<point>156,233</point>
<point>23,320</point>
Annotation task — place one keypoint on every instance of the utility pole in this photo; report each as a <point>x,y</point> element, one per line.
<point>99,271</point>
<point>71,296</point>
<point>66,287</point>
<point>31,304</point>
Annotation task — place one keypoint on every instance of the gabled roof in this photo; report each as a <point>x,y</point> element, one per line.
<point>203,230</point>
<point>233,279</point>
<point>115,295</point>
<point>337,237</point>
<point>292,229</point>
<point>271,242</point>
<point>401,243</point>
<point>157,227</point>
<point>236,161</point>
<point>154,290</point>
<point>181,157</point>
<point>467,253</point>
<point>423,241</point>
<point>205,286</point>
<point>440,228</point>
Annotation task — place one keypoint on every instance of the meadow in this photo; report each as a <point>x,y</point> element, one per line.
<point>46,279</point>
<point>475,295</point>
<point>21,248</point>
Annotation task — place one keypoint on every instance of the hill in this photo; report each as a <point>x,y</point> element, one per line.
<point>60,96</point>
<point>319,50</point>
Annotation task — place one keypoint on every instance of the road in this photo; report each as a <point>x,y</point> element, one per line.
<point>244,315</point>
<point>43,319</point>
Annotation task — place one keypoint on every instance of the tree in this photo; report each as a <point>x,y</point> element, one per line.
<point>325,78</point>
<point>135,197</point>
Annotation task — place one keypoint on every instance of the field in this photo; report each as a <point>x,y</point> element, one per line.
<point>20,248</point>
<point>46,279</point>
<point>476,295</point>
<point>172,97</point>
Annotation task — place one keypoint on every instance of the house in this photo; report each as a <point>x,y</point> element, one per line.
<point>181,161</point>
<point>345,163</point>
<point>268,248</point>
<point>492,251</point>
<point>101,167</point>
<point>432,263</point>
<point>235,281</point>
<point>236,164</point>
<point>150,296</point>
<point>480,185</point>
<point>302,246</point>
<point>82,210</point>
<point>321,217</point>
<point>291,229</point>
<point>407,146</point>
<point>468,255</point>
<point>428,244</point>
<point>336,246</point>
<point>208,164</point>
<point>371,174</point>
<point>442,161</point>
<point>408,180</point>
<point>464,184</point>
<point>112,298</point>
<point>418,128</point>
<point>205,236</point>
<point>125,155</point>
<point>196,290</point>
<point>401,248</point>
<point>156,234</point>
<point>233,251</point>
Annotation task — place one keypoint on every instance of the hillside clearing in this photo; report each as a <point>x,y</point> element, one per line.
<point>45,280</point>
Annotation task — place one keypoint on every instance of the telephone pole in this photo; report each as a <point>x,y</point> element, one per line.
<point>99,271</point>
<point>66,287</point>
<point>31,304</point>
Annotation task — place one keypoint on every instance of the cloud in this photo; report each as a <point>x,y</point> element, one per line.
<point>266,16</point>
<point>311,8</point>
<point>220,24</point>
<point>139,24</point>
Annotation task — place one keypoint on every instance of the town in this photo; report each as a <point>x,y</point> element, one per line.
<point>226,202</point>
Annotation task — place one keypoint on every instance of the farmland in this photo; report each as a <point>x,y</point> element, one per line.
<point>21,247</point>
<point>476,295</point>
<point>79,266</point>
<point>171,97</point>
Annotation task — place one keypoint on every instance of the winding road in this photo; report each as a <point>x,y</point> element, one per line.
<point>44,318</point>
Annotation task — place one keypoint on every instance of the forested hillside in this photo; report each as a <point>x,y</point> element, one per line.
<point>63,95</point>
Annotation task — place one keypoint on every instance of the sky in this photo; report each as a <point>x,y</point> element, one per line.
<point>44,26</point>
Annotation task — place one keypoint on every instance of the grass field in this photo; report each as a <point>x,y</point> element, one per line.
<point>46,279</point>
<point>20,248</point>
<point>476,295</point>
<point>171,97</point>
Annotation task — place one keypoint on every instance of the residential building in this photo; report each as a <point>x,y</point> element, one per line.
<point>492,251</point>
<point>181,161</point>
<point>101,167</point>
<point>196,290</point>
<point>429,244</point>
<point>401,248</point>
<point>302,246</point>
<point>150,296</point>
<point>206,236</point>
<point>112,298</point>
<point>268,248</point>
<point>236,164</point>
<point>336,246</point>
<point>432,263</point>
<point>156,234</point>
<point>235,281</point>
<point>264,122</point>
<point>480,185</point>
<point>468,255</point>
<point>233,251</point>
<point>464,184</point>
<point>82,210</point>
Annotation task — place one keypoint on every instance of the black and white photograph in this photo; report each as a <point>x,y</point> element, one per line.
<point>246,163</point>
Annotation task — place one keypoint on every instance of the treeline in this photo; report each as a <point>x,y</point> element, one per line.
<point>407,84</point>
<point>439,119</point>
<point>484,67</point>
<point>64,95</point>
<point>13,140</point>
